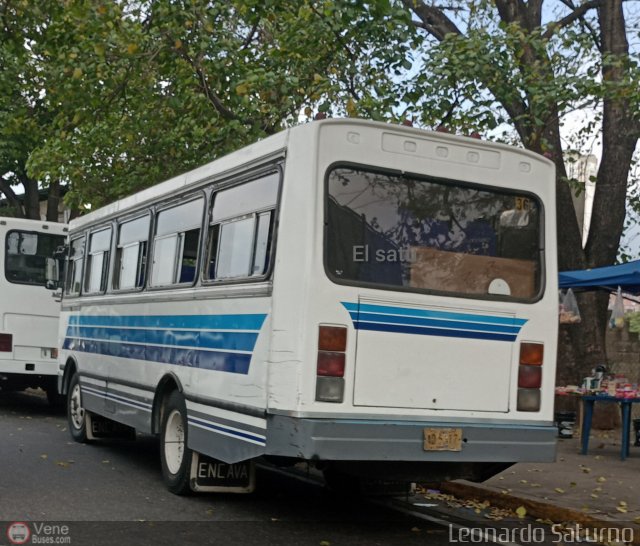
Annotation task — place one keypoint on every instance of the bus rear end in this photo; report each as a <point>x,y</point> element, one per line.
<point>28,312</point>
<point>429,331</point>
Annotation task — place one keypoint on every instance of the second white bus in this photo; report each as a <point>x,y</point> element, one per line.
<point>377,300</point>
<point>28,312</point>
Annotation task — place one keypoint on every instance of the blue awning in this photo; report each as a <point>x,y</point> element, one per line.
<point>627,276</point>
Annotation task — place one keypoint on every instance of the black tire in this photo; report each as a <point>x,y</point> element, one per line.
<point>176,466</point>
<point>76,414</point>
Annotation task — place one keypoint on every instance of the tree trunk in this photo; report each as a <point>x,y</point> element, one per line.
<point>619,137</point>
<point>53,202</point>
<point>31,198</point>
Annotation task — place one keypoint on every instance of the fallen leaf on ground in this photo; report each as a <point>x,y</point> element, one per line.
<point>44,456</point>
<point>559,490</point>
<point>63,464</point>
<point>601,479</point>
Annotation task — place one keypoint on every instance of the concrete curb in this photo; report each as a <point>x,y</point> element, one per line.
<point>535,508</point>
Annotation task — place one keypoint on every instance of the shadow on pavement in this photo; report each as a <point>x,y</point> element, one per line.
<point>31,402</point>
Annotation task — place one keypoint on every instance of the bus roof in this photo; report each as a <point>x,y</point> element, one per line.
<point>259,151</point>
<point>32,225</point>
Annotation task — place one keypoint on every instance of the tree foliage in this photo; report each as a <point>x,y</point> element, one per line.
<point>140,91</point>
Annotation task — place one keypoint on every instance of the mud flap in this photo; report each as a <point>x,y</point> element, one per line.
<point>101,428</point>
<point>212,475</point>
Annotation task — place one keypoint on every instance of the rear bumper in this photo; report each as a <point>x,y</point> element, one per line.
<point>28,367</point>
<point>369,440</point>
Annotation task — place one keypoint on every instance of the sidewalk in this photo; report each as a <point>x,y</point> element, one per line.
<point>595,489</point>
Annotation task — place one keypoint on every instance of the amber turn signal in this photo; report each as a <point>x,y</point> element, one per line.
<point>332,338</point>
<point>531,354</point>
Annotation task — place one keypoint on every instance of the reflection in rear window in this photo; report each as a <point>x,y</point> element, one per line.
<point>423,234</point>
<point>26,254</point>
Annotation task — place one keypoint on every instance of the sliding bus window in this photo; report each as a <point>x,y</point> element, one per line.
<point>175,245</point>
<point>131,254</point>
<point>97,261</point>
<point>241,231</point>
<point>74,267</point>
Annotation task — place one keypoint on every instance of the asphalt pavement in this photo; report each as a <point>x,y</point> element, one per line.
<point>112,493</point>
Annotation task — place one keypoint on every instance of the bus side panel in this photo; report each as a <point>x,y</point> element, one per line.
<point>214,350</point>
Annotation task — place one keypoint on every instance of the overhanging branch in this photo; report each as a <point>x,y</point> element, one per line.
<point>577,13</point>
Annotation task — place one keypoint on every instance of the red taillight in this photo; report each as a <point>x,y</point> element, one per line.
<point>330,364</point>
<point>54,353</point>
<point>531,354</point>
<point>6,343</point>
<point>332,338</point>
<point>332,344</point>
<point>530,377</point>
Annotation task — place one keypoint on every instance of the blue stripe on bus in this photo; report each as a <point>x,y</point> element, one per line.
<point>437,323</point>
<point>216,427</point>
<point>428,313</point>
<point>427,322</point>
<point>174,322</point>
<point>183,340</point>
<point>194,358</point>
<point>237,341</point>
<point>396,328</point>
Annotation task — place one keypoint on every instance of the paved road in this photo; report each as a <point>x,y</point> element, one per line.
<point>45,476</point>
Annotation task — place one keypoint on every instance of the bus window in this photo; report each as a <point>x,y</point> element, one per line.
<point>97,261</point>
<point>74,267</point>
<point>241,231</point>
<point>425,234</point>
<point>26,253</point>
<point>175,246</point>
<point>131,254</point>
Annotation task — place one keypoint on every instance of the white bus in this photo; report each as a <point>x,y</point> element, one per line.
<point>28,312</point>
<point>378,300</point>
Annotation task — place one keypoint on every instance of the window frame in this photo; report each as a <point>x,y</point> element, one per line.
<point>67,272</point>
<point>106,267</point>
<point>6,251</point>
<point>445,182</point>
<point>239,180</point>
<point>156,210</point>
<point>117,225</point>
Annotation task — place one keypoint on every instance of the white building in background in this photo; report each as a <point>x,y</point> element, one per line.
<point>584,169</point>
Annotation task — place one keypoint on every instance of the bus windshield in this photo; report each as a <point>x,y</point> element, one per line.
<point>25,256</point>
<point>423,234</point>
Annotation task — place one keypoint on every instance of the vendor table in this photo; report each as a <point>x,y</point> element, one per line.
<point>588,402</point>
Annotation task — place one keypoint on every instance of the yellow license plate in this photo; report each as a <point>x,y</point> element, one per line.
<point>443,439</point>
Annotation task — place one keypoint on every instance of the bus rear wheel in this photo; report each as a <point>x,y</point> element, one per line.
<point>174,453</point>
<point>76,414</point>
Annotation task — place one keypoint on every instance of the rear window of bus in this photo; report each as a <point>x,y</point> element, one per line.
<point>410,233</point>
